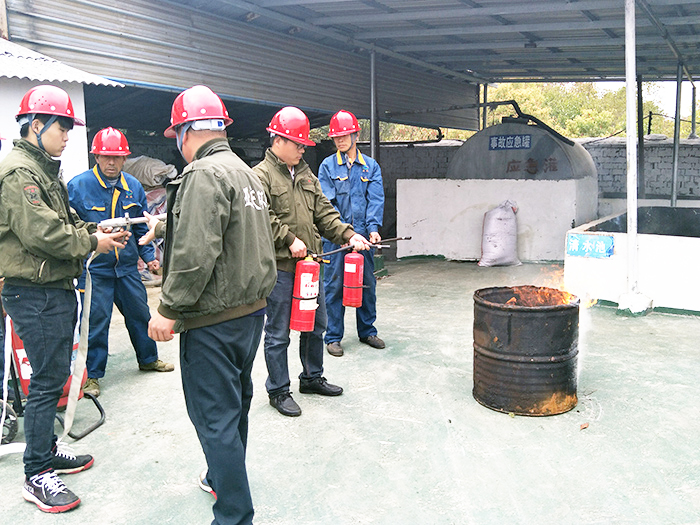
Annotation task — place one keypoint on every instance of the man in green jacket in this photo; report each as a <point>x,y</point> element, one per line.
<point>42,247</point>
<point>298,213</point>
<point>219,266</point>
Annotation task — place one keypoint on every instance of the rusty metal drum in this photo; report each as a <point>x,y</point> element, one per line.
<point>525,349</point>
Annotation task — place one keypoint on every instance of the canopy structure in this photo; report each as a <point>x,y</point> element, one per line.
<point>428,56</point>
<point>492,40</point>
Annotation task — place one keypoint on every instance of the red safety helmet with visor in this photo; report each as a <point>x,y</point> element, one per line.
<point>110,141</point>
<point>343,123</point>
<point>293,124</point>
<point>198,103</point>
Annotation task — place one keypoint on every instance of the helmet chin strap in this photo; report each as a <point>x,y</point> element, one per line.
<point>180,135</point>
<point>48,124</point>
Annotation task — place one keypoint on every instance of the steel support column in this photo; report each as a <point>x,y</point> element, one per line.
<point>693,111</point>
<point>676,136</point>
<point>630,74</point>
<point>485,110</point>
<point>4,28</point>
<point>374,117</point>
<point>641,191</point>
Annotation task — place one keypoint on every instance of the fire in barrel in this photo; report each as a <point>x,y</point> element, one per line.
<point>525,349</point>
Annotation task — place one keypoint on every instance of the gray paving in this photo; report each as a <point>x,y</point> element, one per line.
<point>407,443</point>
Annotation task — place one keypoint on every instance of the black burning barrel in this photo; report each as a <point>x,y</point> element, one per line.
<point>525,349</point>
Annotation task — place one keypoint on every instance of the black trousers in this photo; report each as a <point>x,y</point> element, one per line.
<point>216,362</point>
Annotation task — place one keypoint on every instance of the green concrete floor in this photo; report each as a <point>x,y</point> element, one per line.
<point>407,443</point>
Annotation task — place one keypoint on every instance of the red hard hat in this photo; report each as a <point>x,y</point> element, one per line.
<point>110,141</point>
<point>291,123</point>
<point>48,100</point>
<point>343,123</point>
<point>196,103</point>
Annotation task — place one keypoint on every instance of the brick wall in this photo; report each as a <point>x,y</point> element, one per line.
<point>610,157</point>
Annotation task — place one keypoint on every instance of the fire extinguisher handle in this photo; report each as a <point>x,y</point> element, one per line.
<point>318,256</point>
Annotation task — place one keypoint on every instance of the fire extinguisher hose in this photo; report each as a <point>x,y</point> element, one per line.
<point>348,247</point>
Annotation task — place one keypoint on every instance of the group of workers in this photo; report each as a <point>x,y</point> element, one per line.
<point>232,236</point>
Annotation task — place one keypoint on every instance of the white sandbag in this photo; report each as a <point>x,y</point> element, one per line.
<point>499,240</point>
<point>149,171</point>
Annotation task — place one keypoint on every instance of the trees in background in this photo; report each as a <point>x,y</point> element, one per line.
<point>573,109</point>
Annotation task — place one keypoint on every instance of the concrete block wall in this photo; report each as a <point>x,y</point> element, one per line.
<point>417,161</point>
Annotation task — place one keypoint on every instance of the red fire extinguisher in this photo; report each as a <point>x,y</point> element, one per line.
<point>305,295</point>
<point>352,279</point>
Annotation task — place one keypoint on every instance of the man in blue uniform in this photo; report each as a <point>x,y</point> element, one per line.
<point>106,192</point>
<point>353,184</point>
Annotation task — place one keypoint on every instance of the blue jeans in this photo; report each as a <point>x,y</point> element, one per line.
<point>129,294</point>
<point>44,318</point>
<point>216,362</point>
<point>366,314</point>
<point>279,309</point>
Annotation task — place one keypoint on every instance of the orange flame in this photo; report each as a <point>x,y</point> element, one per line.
<point>552,276</point>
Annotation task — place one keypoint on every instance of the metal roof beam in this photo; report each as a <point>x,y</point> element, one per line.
<point>432,15</point>
<point>520,44</point>
<point>283,3</point>
<point>543,55</point>
<point>350,41</point>
<point>614,65</point>
<point>428,15</point>
<point>481,29</point>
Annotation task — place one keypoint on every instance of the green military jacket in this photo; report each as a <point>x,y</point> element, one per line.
<point>298,208</point>
<point>42,240</point>
<point>219,259</point>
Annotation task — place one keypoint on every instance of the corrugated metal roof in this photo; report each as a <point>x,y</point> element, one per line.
<point>492,40</point>
<point>21,62</point>
<point>162,45</point>
<point>315,53</point>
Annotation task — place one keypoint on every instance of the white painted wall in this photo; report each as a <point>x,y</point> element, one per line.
<point>445,217</point>
<point>75,157</point>
<point>666,274</point>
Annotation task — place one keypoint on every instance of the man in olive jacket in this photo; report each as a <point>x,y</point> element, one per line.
<point>42,247</point>
<point>298,209</point>
<point>219,267</point>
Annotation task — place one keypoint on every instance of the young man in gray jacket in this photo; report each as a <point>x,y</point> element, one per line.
<point>219,267</point>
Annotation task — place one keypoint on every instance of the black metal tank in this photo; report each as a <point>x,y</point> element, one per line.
<point>525,349</point>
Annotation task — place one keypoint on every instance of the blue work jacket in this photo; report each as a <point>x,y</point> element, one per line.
<point>356,192</point>
<point>94,200</point>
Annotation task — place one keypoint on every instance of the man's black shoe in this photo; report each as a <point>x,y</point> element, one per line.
<point>373,341</point>
<point>319,386</point>
<point>335,349</point>
<point>285,405</point>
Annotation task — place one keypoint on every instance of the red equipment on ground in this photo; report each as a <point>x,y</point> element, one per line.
<point>305,295</point>
<point>352,279</point>
<point>21,373</point>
